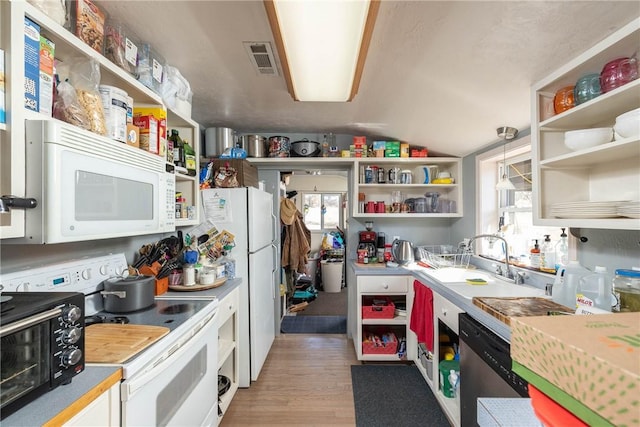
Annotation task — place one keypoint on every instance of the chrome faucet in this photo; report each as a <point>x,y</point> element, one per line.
<point>506,273</point>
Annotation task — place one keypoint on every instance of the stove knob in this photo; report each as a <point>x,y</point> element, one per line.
<point>71,335</point>
<point>71,314</point>
<point>71,357</point>
<point>86,274</point>
<point>104,269</point>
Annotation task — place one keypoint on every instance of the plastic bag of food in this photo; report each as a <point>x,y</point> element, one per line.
<point>115,45</point>
<point>85,78</point>
<point>54,9</point>
<point>67,107</point>
<point>175,87</point>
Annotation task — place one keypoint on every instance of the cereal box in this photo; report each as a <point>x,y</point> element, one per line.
<point>148,126</point>
<point>3,117</point>
<point>47,52</point>
<point>31,65</point>
<point>89,20</point>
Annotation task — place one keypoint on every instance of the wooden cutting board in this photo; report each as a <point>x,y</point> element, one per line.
<point>115,343</point>
<point>505,308</point>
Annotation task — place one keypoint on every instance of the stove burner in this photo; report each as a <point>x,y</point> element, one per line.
<point>100,318</point>
<point>177,308</point>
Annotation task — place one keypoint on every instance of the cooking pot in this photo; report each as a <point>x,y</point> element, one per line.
<point>132,293</point>
<point>216,140</point>
<point>254,145</point>
<point>402,251</point>
<point>305,148</point>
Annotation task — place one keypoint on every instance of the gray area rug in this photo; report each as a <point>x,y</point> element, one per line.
<point>327,304</point>
<point>314,325</point>
<point>394,395</point>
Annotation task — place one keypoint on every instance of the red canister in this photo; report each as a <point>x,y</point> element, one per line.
<point>371,207</point>
<point>380,207</point>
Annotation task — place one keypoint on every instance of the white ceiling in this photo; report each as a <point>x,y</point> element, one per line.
<point>440,74</point>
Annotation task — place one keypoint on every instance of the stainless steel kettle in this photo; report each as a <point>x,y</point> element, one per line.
<point>402,251</point>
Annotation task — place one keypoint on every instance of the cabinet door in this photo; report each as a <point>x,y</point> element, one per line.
<point>102,412</point>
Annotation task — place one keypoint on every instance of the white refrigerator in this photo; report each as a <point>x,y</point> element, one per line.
<point>248,215</point>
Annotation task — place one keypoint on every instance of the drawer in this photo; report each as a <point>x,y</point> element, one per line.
<point>446,311</point>
<point>227,306</point>
<point>383,284</point>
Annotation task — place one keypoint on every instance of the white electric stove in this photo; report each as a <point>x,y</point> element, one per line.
<point>170,382</point>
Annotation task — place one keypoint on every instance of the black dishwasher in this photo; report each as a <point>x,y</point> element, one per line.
<point>485,368</point>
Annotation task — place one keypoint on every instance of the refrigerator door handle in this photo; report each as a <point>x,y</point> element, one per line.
<point>275,227</point>
<point>273,270</point>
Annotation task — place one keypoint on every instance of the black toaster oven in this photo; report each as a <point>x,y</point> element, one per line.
<point>42,344</point>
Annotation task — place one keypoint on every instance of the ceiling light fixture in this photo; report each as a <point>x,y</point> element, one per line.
<point>322,45</point>
<point>506,133</point>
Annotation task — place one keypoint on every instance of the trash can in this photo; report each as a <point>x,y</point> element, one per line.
<point>331,275</point>
<point>312,267</point>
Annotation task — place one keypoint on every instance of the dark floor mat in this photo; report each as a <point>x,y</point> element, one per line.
<point>314,325</point>
<point>394,395</point>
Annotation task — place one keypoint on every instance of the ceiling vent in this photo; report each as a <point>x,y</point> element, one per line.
<point>261,56</point>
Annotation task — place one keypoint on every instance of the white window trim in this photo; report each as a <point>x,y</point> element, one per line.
<point>485,172</point>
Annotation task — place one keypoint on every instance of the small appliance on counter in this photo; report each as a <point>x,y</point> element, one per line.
<point>368,240</point>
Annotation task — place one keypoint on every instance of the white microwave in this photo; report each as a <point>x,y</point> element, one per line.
<point>90,187</point>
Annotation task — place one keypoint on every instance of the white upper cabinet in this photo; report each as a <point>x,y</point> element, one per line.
<point>584,188</point>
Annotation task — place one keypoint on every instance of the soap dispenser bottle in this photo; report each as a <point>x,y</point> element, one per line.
<point>547,256</point>
<point>562,251</point>
<point>534,259</point>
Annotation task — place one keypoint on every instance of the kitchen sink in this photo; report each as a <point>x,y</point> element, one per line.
<point>459,275</point>
<point>495,289</point>
<point>456,280</point>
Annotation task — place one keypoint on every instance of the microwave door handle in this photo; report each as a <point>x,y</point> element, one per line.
<point>29,321</point>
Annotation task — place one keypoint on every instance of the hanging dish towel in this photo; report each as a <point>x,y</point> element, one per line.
<point>422,314</point>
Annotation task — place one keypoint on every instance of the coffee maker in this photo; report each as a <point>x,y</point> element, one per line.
<point>368,240</point>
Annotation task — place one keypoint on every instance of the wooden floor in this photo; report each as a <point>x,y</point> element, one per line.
<point>305,381</point>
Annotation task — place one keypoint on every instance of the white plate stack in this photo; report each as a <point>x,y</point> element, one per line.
<point>629,209</point>
<point>586,209</point>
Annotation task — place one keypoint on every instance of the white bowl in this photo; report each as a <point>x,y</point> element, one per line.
<point>587,138</point>
<point>628,124</point>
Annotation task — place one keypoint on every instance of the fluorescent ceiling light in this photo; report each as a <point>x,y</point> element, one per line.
<point>322,45</point>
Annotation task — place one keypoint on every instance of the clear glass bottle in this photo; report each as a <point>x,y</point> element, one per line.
<point>325,147</point>
<point>547,255</point>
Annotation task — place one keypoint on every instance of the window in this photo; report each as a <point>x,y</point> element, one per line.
<point>508,212</point>
<point>322,211</point>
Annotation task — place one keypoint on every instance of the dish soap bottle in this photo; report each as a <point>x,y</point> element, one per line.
<point>562,251</point>
<point>534,259</point>
<point>547,256</point>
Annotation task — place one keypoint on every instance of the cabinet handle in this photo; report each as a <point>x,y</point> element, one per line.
<point>385,286</point>
<point>230,306</point>
<point>444,312</point>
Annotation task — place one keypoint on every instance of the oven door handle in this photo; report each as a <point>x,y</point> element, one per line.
<point>30,321</point>
<point>168,358</point>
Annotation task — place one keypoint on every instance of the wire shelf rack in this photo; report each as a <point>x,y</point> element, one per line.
<point>441,256</point>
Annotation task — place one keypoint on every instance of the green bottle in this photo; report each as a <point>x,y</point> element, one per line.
<point>189,158</point>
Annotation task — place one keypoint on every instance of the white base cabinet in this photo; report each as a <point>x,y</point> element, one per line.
<point>104,411</point>
<point>398,290</point>
<point>445,322</point>
<point>228,334</point>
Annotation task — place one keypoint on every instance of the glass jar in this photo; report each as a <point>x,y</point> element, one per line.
<point>626,287</point>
